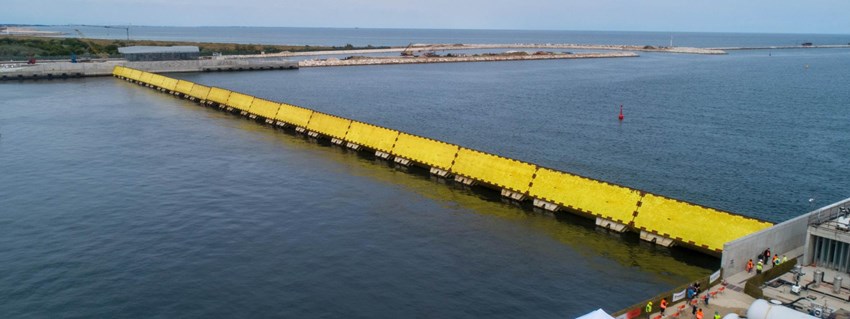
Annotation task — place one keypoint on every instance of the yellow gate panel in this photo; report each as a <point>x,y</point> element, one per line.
<point>135,74</point>
<point>267,109</point>
<point>293,115</point>
<point>503,172</point>
<point>184,87</point>
<point>240,101</point>
<point>168,83</point>
<point>118,70</point>
<point>586,195</point>
<point>200,92</point>
<point>156,80</point>
<point>145,77</point>
<point>124,72</point>
<point>371,136</point>
<point>218,95</point>
<point>702,226</point>
<point>329,125</point>
<point>426,151</point>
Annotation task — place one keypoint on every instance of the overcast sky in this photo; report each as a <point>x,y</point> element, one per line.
<point>776,16</point>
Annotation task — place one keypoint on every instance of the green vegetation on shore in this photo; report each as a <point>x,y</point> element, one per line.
<point>22,47</point>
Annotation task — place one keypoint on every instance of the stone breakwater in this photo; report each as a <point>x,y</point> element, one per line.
<point>533,46</point>
<point>451,59</point>
<point>825,46</point>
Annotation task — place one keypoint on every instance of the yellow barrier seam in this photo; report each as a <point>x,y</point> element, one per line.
<point>309,119</point>
<point>347,128</point>
<point>533,177</point>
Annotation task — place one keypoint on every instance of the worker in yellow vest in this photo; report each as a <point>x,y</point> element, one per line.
<point>716,315</point>
<point>759,267</point>
<point>649,307</point>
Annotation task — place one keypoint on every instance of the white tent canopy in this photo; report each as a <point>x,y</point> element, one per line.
<point>596,314</point>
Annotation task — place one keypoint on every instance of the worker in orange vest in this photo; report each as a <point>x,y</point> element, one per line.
<point>699,313</point>
<point>663,305</point>
<point>750,266</point>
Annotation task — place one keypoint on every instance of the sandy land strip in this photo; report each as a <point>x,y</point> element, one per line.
<point>443,59</point>
<point>26,32</point>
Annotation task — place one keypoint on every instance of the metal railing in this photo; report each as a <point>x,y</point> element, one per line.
<point>828,213</point>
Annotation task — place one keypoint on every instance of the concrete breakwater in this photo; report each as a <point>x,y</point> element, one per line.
<point>658,219</point>
<point>532,46</point>
<point>784,47</point>
<point>58,70</point>
<point>450,59</point>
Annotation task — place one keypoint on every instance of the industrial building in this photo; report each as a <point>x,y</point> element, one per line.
<point>160,53</point>
<point>828,242</point>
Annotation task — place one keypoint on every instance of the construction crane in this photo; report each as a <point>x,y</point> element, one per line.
<point>407,51</point>
<point>91,45</point>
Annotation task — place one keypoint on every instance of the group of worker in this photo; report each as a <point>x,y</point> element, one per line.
<point>761,263</point>
<point>697,312</point>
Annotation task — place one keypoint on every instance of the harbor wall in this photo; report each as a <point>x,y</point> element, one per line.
<point>657,218</point>
<point>786,238</point>
<point>57,70</point>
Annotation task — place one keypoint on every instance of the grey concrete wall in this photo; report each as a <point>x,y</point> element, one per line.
<point>787,238</point>
<point>57,69</point>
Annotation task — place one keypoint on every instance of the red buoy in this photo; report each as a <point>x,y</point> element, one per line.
<point>621,113</point>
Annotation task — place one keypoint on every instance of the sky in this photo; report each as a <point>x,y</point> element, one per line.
<point>758,16</point>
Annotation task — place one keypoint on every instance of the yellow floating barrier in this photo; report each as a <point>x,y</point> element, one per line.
<point>371,136</point>
<point>264,108</point>
<point>700,226</point>
<point>426,151</point>
<point>657,217</point>
<point>329,125</point>
<point>586,195</point>
<point>240,101</point>
<point>218,95</point>
<point>184,87</point>
<point>200,92</point>
<point>294,115</point>
<point>495,170</point>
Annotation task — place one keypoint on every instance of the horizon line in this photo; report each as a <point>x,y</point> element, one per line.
<point>412,28</point>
